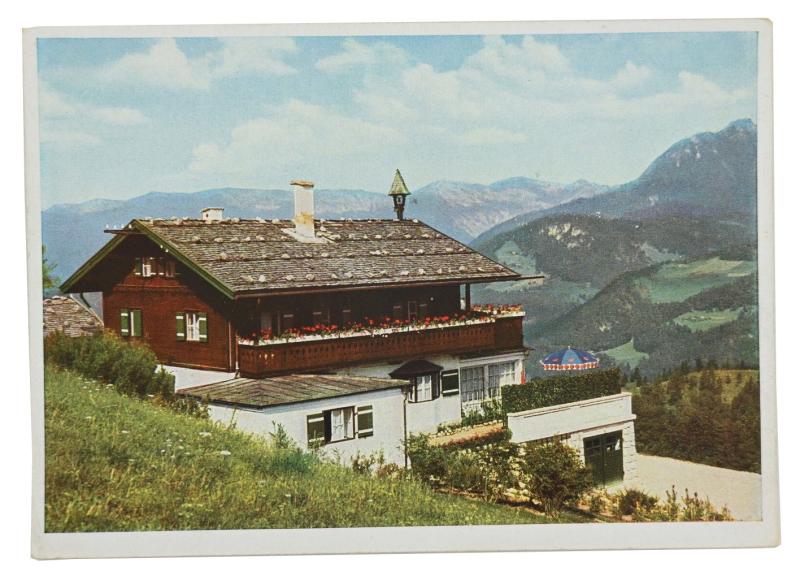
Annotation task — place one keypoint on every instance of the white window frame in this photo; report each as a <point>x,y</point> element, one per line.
<point>423,388</point>
<point>192,326</point>
<point>147,267</point>
<point>342,424</point>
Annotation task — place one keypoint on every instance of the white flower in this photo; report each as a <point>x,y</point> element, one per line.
<point>224,453</point>
<point>205,434</point>
<point>124,432</point>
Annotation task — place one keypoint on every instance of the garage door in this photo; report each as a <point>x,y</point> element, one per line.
<point>603,454</point>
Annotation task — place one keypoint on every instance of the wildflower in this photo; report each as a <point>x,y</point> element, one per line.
<point>205,434</point>
<point>224,453</point>
<point>288,495</point>
<point>124,432</point>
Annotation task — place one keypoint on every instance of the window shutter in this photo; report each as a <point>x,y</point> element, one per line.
<point>137,266</point>
<point>315,428</point>
<point>202,325</point>
<point>423,309</point>
<point>434,386</point>
<point>136,322</point>
<point>180,326</point>
<point>397,311</point>
<point>364,421</point>
<point>160,266</point>
<point>449,383</point>
<point>124,322</point>
<point>327,425</point>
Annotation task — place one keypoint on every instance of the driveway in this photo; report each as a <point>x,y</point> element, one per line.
<point>739,491</point>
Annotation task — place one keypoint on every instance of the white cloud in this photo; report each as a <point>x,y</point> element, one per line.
<point>358,54</point>
<point>293,136</point>
<point>165,65</point>
<point>69,137</point>
<point>488,136</point>
<point>509,96</point>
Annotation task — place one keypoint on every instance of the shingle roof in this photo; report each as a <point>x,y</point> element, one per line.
<point>259,255</point>
<point>289,389</point>
<point>67,315</point>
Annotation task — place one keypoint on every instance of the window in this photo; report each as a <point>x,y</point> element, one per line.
<point>191,326</point>
<point>347,316</point>
<point>423,310</point>
<point>339,424</point>
<point>169,268</point>
<point>397,312</point>
<point>424,388</point>
<point>472,383</point>
<point>322,315</point>
<point>480,383</point>
<point>130,323</point>
<point>450,383</point>
<point>287,321</point>
<point>500,375</point>
<point>412,310</point>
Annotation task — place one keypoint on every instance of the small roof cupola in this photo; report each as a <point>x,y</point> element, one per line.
<point>398,192</point>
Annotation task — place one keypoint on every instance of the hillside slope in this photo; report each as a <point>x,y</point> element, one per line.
<point>660,316</point>
<point>711,174</point>
<point>114,463</point>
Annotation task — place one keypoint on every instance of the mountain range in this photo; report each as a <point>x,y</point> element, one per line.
<point>72,232</point>
<point>649,273</point>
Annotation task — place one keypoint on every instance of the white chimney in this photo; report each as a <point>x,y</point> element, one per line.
<point>211,214</point>
<point>303,208</point>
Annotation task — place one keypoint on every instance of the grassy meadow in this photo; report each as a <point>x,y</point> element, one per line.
<point>115,463</point>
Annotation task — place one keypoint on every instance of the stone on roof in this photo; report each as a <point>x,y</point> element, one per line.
<point>354,253</point>
<point>67,315</point>
<point>289,389</point>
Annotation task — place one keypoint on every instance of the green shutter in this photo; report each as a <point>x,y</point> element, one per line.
<point>180,326</point>
<point>315,427</point>
<point>124,322</point>
<point>202,323</point>
<point>137,266</point>
<point>136,323</point>
<point>449,382</point>
<point>364,420</point>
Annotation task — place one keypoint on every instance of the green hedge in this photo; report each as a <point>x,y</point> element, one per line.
<point>543,392</point>
<point>129,366</point>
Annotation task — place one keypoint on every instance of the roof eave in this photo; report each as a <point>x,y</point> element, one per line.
<point>256,292</point>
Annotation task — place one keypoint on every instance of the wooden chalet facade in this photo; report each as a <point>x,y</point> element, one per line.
<point>265,298</point>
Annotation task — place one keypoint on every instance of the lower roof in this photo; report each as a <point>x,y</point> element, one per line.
<point>290,389</point>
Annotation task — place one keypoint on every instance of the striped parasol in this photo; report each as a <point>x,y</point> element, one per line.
<point>569,359</point>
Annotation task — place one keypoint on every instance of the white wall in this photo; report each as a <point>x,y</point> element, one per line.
<point>580,420</point>
<point>567,418</point>
<point>387,416</point>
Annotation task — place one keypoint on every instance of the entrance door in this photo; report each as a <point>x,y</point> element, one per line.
<point>603,455</point>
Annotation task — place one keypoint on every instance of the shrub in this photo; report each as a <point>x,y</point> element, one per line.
<point>129,366</point>
<point>489,411</point>
<point>429,463</point>
<point>543,392</point>
<point>634,502</point>
<point>553,475</point>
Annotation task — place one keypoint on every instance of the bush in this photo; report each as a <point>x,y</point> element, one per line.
<point>489,411</point>
<point>543,392</point>
<point>553,475</point>
<point>634,502</point>
<point>129,366</point>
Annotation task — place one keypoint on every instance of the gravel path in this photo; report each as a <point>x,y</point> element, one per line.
<point>739,491</point>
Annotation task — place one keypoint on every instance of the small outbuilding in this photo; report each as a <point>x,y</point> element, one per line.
<point>67,315</point>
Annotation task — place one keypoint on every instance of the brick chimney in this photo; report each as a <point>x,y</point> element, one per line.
<point>303,208</point>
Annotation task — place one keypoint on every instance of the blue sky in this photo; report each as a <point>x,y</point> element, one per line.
<point>122,117</point>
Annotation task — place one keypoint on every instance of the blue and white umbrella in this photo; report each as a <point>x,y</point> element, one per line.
<point>569,359</point>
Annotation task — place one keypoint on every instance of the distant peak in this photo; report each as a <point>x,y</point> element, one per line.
<point>742,124</point>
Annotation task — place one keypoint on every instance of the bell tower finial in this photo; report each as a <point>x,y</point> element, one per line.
<point>398,192</point>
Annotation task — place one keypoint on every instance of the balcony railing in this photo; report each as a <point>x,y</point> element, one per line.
<point>314,352</point>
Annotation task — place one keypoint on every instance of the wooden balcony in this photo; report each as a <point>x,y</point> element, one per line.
<point>330,352</point>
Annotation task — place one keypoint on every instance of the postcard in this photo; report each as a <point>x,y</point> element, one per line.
<point>401,287</point>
